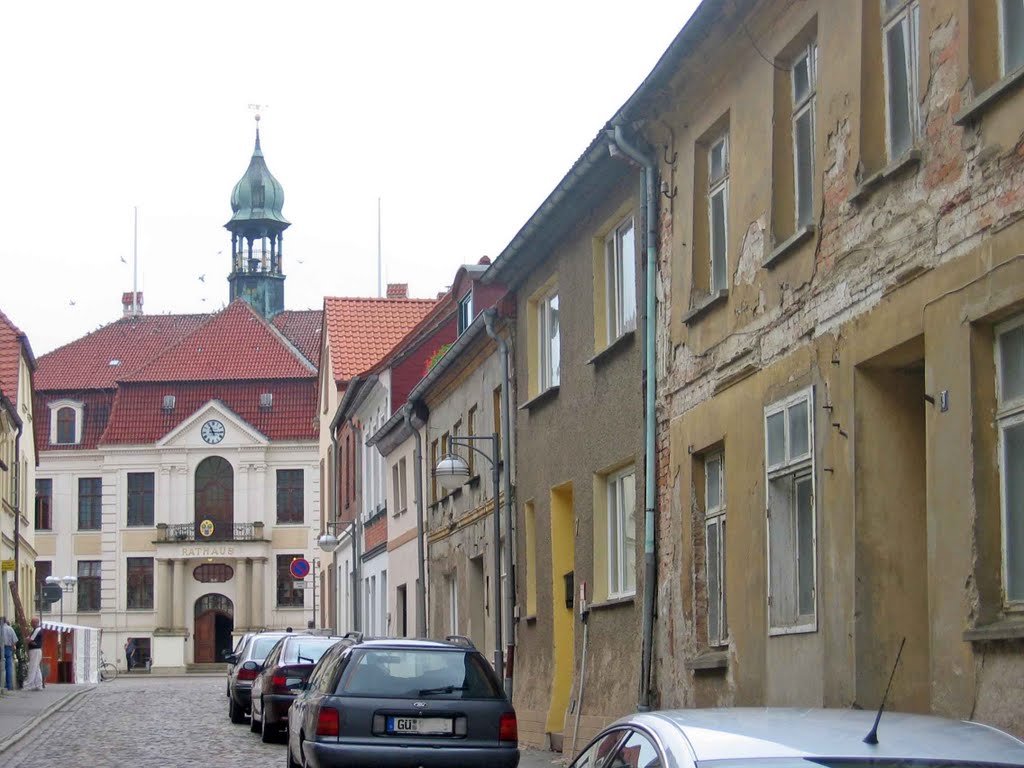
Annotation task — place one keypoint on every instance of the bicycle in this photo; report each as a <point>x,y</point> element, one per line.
<point>108,670</point>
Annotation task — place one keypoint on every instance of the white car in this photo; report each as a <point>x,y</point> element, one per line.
<point>796,738</point>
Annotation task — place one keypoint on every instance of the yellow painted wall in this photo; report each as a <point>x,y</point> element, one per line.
<point>290,538</point>
<point>562,561</point>
<point>87,544</point>
<point>138,541</point>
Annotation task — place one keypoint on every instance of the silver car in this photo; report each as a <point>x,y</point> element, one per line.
<point>795,738</point>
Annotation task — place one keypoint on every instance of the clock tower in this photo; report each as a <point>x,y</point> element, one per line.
<point>257,228</point>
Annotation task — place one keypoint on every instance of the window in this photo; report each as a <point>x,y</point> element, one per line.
<point>465,312</point>
<point>88,586</point>
<point>471,432</point>
<point>805,76</point>
<point>714,542</point>
<point>900,19</point>
<point>636,752</point>
<point>399,486</point>
<point>289,496</point>
<point>1011,25</point>
<point>548,343</point>
<point>530,515</point>
<point>66,426</point>
<point>287,595</point>
<point>620,279</point>
<point>44,569</point>
<point>213,573</point>
<point>1010,418</point>
<point>44,505</point>
<point>453,603</point>
<point>140,583</point>
<point>622,533</point>
<point>140,498</point>
<point>789,447</point>
<point>718,212</point>
<point>90,503</point>
<point>496,415</point>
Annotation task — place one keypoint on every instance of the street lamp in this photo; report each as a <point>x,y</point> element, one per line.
<point>66,584</point>
<point>328,541</point>
<point>452,472</point>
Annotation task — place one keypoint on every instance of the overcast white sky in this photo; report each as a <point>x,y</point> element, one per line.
<point>461,116</point>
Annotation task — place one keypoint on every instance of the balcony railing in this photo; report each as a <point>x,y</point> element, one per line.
<point>205,531</point>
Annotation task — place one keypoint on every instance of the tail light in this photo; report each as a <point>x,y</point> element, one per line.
<point>279,682</point>
<point>327,722</point>
<point>508,728</point>
<point>247,674</point>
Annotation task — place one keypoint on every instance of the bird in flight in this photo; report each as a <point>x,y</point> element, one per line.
<point>202,278</point>
<point>123,261</point>
<point>71,303</point>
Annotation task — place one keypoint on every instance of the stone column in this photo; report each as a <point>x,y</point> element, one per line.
<point>242,593</point>
<point>259,592</point>
<point>180,566</point>
<point>163,606</point>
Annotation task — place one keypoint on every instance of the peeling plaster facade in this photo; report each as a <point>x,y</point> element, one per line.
<point>884,311</point>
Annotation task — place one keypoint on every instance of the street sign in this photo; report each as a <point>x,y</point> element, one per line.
<point>51,593</point>
<point>299,585</point>
<point>299,568</point>
<point>7,565</point>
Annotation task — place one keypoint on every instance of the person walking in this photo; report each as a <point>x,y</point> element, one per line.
<point>129,653</point>
<point>34,680</point>
<point>8,639</point>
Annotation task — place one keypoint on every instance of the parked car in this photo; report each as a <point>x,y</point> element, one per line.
<point>795,738</point>
<point>403,702</point>
<point>232,657</point>
<point>246,666</point>
<point>280,677</point>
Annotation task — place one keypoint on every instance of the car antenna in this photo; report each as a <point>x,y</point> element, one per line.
<point>872,737</point>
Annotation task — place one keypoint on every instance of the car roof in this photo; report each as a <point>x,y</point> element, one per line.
<point>396,643</point>
<point>747,733</point>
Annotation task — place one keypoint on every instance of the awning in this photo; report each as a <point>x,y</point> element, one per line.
<point>58,626</point>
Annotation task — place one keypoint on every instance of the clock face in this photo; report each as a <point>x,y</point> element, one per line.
<point>212,431</point>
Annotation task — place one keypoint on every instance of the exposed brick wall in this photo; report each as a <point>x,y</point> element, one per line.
<point>375,532</point>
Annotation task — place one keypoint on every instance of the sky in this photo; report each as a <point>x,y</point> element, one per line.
<point>460,117</point>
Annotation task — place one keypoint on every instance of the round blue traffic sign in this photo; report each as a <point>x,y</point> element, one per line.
<point>299,567</point>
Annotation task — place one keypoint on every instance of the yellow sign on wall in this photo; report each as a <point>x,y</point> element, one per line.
<point>6,565</point>
<point>206,528</point>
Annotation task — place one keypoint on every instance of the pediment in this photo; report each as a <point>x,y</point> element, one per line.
<point>214,415</point>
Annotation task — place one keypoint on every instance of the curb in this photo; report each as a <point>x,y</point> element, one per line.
<point>25,729</point>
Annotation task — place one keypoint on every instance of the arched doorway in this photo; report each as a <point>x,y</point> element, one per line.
<point>214,623</point>
<point>215,499</point>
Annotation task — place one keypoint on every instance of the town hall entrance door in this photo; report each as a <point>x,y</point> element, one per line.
<point>214,623</point>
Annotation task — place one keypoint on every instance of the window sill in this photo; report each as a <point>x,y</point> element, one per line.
<point>802,629</point>
<point>709,661</point>
<point>789,245</point>
<point>706,305</point>
<point>910,159</point>
<point>1008,628</point>
<point>138,526</point>
<point>613,602</point>
<point>624,341</point>
<point>988,98</point>
<point>548,394</point>
<point>140,610</point>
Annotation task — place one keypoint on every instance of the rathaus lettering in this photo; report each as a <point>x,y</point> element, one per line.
<point>223,551</point>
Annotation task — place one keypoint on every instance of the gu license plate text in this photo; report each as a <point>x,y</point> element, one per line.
<point>422,725</point>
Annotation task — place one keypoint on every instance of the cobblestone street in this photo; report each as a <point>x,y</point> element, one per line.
<point>150,722</point>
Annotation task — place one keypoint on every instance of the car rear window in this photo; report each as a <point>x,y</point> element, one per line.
<point>420,673</point>
<point>262,646</point>
<point>310,650</point>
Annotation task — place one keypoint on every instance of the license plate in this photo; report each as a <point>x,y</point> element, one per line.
<point>437,726</point>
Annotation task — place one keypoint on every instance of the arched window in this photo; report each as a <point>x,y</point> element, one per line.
<point>213,573</point>
<point>66,418</point>
<point>214,602</point>
<point>215,496</point>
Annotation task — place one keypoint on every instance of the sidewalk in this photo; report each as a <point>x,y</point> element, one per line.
<point>20,711</point>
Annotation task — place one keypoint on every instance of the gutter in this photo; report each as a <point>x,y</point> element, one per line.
<point>421,586</point>
<point>618,140</point>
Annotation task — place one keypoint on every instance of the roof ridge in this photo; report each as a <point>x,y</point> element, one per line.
<point>376,298</point>
<point>135,319</point>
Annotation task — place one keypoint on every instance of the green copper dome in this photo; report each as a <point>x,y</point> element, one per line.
<point>258,196</point>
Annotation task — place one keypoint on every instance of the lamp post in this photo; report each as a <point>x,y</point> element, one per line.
<point>452,472</point>
<point>66,584</point>
<point>329,542</point>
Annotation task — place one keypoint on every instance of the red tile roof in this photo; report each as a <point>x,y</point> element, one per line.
<point>137,416</point>
<point>86,362</point>
<point>12,344</point>
<point>362,331</point>
<point>232,345</point>
<point>94,417</point>
<point>302,327</point>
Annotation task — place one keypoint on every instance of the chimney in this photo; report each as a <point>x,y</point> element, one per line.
<point>126,304</point>
<point>398,290</point>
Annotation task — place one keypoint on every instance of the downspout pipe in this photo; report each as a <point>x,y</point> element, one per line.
<point>335,513</point>
<point>357,565</point>
<point>17,500</point>
<point>650,167</point>
<point>490,316</point>
<point>421,585</point>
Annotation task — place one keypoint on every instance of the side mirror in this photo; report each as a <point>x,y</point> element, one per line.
<point>252,666</point>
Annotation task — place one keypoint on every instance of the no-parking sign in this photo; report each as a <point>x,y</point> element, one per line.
<point>299,568</point>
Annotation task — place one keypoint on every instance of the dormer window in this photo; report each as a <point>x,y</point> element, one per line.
<point>66,422</point>
<point>465,312</point>
<point>169,402</point>
<point>266,401</point>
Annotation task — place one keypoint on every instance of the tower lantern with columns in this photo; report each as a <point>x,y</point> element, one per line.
<point>257,228</point>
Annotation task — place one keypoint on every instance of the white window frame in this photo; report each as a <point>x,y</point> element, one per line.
<point>792,469</point>
<point>804,105</point>
<point>621,579</point>
<point>910,13</point>
<point>620,299</point>
<point>716,186</point>
<point>715,516</point>
<point>55,407</point>
<point>1004,71</point>
<point>465,312</point>
<point>1008,414</point>
<point>547,376</point>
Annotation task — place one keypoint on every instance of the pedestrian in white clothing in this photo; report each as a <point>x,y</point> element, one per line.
<point>34,680</point>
